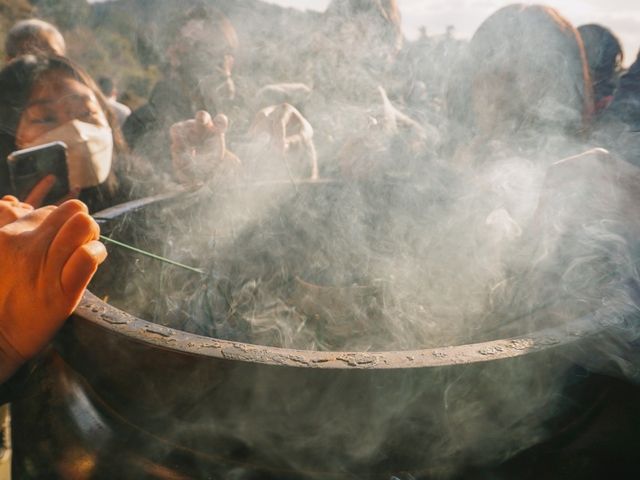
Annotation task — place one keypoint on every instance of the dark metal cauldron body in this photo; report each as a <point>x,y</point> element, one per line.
<point>202,403</point>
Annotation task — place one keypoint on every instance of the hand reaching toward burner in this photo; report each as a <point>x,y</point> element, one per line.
<point>47,258</point>
<point>288,130</point>
<point>199,150</point>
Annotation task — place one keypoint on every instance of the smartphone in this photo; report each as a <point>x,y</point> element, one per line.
<point>30,165</point>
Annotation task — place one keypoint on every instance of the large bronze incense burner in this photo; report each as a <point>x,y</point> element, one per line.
<point>189,405</point>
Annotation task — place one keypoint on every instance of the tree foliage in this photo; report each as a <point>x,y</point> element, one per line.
<point>65,14</point>
<point>126,39</point>
<point>103,38</point>
<point>10,12</point>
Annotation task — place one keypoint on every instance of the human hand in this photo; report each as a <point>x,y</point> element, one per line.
<point>47,258</point>
<point>287,130</point>
<point>196,144</point>
<point>12,209</point>
<point>39,192</point>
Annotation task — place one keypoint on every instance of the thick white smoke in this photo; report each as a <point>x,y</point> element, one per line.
<point>485,224</point>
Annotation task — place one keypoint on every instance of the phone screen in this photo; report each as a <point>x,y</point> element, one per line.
<point>30,165</point>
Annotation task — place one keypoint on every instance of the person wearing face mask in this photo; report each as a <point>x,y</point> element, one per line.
<point>47,99</point>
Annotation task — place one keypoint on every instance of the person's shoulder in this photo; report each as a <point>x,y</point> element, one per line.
<point>141,120</point>
<point>120,108</point>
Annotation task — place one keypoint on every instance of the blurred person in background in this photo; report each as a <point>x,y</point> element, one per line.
<point>353,49</point>
<point>351,52</point>
<point>527,170</point>
<point>391,144</point>
<point>527,83</point>
<point>618,127</point>
<point>604,57</point>
<point>625,105</point>
<point>521,101</point>
<point>35,37</point>
<point>108,88</point>
<point>46,99</point>
<point>368,32</point>
<point>199,61</point>
<point>199,150</point>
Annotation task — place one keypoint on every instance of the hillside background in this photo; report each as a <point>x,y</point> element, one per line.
<point>125,39</point>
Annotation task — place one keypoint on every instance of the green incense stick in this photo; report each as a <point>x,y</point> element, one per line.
<point>151,255</point>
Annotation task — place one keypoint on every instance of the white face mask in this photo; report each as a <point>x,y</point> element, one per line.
<point>89,151</point>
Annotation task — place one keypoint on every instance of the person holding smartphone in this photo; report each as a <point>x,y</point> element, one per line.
<point>50,99</point>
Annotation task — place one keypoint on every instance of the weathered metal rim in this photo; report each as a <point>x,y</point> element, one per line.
<point>114,320</point>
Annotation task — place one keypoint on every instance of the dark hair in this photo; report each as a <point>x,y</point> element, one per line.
<point>603,50</point>
<point>542,56</point>
<point>34,36</point>
<point>106,85</point>
<point>17,80</point>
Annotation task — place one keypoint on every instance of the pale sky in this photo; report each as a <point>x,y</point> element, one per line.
<point>621,16</point>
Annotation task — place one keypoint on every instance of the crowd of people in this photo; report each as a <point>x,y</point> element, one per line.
<point>353,101</point>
